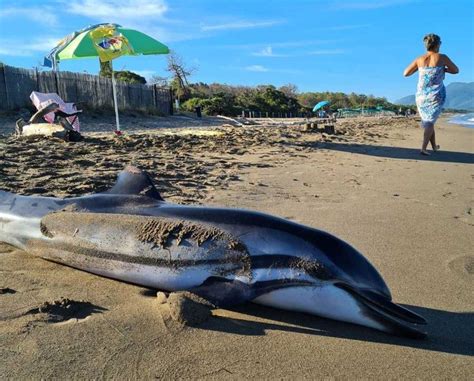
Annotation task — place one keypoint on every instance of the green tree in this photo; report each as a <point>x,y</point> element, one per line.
<point>122,75</point>
<point>180,74</point>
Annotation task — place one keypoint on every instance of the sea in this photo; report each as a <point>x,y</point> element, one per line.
<point>467,120</point>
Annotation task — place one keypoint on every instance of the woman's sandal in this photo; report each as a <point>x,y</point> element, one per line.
<point>425,153</point>
<point>436,149</point>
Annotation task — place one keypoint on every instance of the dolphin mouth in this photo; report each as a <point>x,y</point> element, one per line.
<point>394,318</point>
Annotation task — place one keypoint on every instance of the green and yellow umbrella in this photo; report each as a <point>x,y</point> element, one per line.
<point>107,42</point>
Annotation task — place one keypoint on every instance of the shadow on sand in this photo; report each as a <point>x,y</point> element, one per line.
<point>396,152</point>
<point>448,332</point>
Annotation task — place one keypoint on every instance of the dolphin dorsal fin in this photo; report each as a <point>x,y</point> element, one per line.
<point>133,180</point>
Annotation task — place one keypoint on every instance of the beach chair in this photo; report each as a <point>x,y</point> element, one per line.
<point>66,111</point>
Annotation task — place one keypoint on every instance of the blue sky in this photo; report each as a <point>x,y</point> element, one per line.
<point>361,45</point>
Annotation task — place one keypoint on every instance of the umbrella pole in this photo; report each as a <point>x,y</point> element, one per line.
<point>114,91</point>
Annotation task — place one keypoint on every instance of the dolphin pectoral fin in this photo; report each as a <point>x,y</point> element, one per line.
<point>385,304</point>
<point>223,292</point>
<point>134,181</point>
<point>226,293</point>
<point>393,308</point>
<point>392,317</point>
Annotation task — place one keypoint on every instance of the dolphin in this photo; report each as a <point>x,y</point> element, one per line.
<point>226,256</point>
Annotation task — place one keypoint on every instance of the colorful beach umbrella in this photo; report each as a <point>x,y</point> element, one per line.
<point>320,105</point>
<point>106,41</point>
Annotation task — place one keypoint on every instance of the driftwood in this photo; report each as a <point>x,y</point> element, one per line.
<point>234,121</point>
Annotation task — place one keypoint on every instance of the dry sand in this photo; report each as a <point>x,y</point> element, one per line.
<point>412,216</point>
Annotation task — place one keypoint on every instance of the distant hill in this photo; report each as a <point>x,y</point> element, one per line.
<point>459,95</point>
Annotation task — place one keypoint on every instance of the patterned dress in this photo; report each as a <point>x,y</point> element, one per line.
<point>431,94</point>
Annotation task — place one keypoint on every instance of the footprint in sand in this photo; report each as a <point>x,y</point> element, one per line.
<point>7,290</point>
<point>463,266</point>
<point>467,217</point>
<point>5,248</point>
<point>63,310</point>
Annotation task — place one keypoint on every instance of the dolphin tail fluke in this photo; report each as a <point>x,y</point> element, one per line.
<point>393,317</point>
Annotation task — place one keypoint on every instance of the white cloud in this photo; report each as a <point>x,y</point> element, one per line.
<point>363,5</point>
<point>148,16</point>
<point>280,44</point>
<point>256,68</point>
<point>263,69</point>
<point>267,52</point>
<point>25,48</point>
<point>325,52</point>
<point>118,9</point>
<point>41,15</point>
<point>243,24</point>
<point>147,74</point>
<point>165,35</point>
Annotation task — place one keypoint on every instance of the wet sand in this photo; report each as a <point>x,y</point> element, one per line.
<point>412,217</point>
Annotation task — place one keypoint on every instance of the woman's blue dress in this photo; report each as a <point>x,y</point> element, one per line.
<point>431,93</point>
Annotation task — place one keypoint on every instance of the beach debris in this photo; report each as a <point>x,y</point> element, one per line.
<point>42,124</point>
<point>233,121</point>
<point>188,308</point>
<point>64,309</point>
<point>7,290</point>
<point>66,110</point>
<point>161,297</point>
<point>329,129</point>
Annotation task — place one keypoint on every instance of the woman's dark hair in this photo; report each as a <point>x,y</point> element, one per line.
<point>432,41</point>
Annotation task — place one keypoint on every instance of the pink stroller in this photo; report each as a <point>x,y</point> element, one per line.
<point>65,110</point>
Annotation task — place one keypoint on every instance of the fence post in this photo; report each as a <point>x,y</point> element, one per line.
<point>56,82</point>
<point>171,101</point>
<point>37,79</point>
<point>6,86</point>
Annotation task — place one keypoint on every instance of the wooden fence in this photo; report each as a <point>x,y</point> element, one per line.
<point>95,92</point>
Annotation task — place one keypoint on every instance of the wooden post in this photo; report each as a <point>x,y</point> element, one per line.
<point>56,82</point>
<point>6,86</point>
<point>329,129</point>
<point>171,101</point>
<point>37,78</point>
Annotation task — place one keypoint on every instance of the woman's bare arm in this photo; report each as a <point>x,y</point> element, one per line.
<point>412,68</point>
<point>450,67</point>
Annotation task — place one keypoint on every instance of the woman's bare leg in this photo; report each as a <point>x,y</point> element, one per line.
<point>433,141</point>
<point>428,131</point>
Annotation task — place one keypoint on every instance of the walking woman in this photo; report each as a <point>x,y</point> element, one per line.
<point>431,94</point>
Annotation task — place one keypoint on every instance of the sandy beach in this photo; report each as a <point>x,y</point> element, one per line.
<point>411,216</point>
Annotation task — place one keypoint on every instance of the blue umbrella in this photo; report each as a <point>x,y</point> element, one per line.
<point>320,105</point>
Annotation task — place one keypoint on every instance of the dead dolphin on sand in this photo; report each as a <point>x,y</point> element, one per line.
<point>226,256</point>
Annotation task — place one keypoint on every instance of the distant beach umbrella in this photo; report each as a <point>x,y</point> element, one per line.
<point>320,105</point>
<point>106,41</point>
